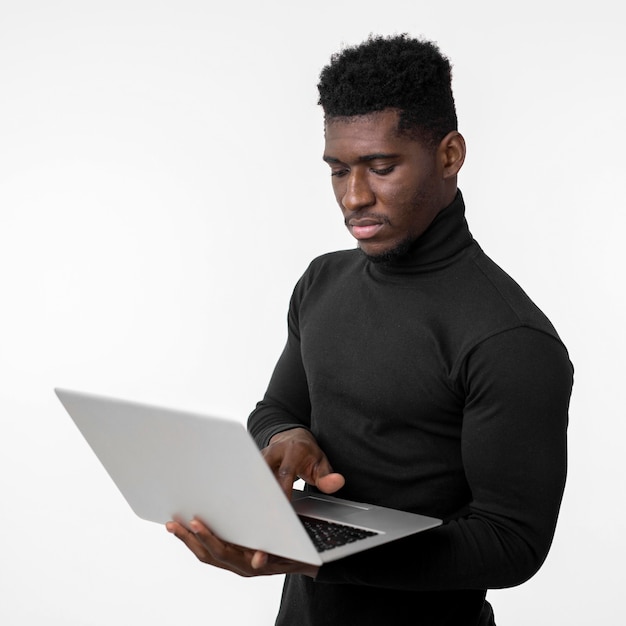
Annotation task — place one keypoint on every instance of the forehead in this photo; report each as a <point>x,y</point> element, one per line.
<point>358,136</point>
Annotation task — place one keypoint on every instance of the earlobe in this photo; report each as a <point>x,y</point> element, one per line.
<point>452,151</point>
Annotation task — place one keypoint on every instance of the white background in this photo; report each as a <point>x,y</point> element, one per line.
<point>161,190</point>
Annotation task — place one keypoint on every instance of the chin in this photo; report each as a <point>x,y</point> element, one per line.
<point>390,255</point>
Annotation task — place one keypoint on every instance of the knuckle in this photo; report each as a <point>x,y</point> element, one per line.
<point>220,552</point>
<point>285,471</point>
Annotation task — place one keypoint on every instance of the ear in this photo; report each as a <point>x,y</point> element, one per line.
<point>451,153</point>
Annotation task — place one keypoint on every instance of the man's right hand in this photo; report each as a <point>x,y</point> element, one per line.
<point>295,454</point>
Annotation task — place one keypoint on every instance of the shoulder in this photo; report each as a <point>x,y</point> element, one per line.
<point>339,258</point>
<point>325,273</point>
<point>333,265</point>
<point>504,297</point>
<point>488,303</point>
<point>523,365</point>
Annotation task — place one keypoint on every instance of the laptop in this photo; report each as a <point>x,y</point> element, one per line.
<point>177,465</point>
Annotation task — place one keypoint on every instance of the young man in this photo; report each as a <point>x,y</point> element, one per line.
<point>417,374</point>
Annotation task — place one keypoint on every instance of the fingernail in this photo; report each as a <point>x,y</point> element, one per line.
<point>259,560</point>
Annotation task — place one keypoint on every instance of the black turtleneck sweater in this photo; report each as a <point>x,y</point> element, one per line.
<point>434,385</point>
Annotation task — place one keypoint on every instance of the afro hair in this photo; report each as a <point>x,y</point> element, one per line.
<point>397,72</point>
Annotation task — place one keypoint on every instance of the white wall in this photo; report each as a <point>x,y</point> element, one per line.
<point>161,190</point>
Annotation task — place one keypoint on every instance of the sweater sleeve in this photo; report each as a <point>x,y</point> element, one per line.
<point>517,386</point>
<point>286,403</point>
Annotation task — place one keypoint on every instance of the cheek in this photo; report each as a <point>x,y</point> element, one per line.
<point>408,207</point>
<point>399,201</point>
<point>401,190</point>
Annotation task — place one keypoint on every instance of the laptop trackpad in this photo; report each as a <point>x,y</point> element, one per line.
<point>333,511</point>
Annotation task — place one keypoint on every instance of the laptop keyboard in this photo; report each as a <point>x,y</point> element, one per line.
<point>328,535</point>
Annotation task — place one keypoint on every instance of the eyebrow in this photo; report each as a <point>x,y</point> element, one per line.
<point>363,159</point>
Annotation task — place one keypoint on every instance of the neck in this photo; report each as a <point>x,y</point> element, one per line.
<point>447,235</point>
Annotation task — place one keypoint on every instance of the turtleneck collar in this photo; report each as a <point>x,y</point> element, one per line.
<point>445,237</point>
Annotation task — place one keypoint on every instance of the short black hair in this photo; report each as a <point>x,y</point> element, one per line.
<point>395,72</point>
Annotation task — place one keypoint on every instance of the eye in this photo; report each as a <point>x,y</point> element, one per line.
<point>383,171</point>
<point>338,173</point>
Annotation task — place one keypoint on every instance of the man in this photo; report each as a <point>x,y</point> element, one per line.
<point>417,374</point>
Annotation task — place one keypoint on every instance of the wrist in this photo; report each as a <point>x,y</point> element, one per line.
<point>289,433</point>
<point>310,570</point>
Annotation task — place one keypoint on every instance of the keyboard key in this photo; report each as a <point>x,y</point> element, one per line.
<point>328,535</point>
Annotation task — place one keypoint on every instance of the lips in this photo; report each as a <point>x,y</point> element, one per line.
<point>364,228</point>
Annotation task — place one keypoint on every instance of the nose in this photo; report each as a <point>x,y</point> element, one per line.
<point>357,193</point>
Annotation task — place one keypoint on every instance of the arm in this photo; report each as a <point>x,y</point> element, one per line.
<point>286,403</point>
<point>280,423</point>
<point>517,386</point>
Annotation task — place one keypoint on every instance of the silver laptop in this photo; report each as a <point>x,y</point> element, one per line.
<point>177,465</point>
